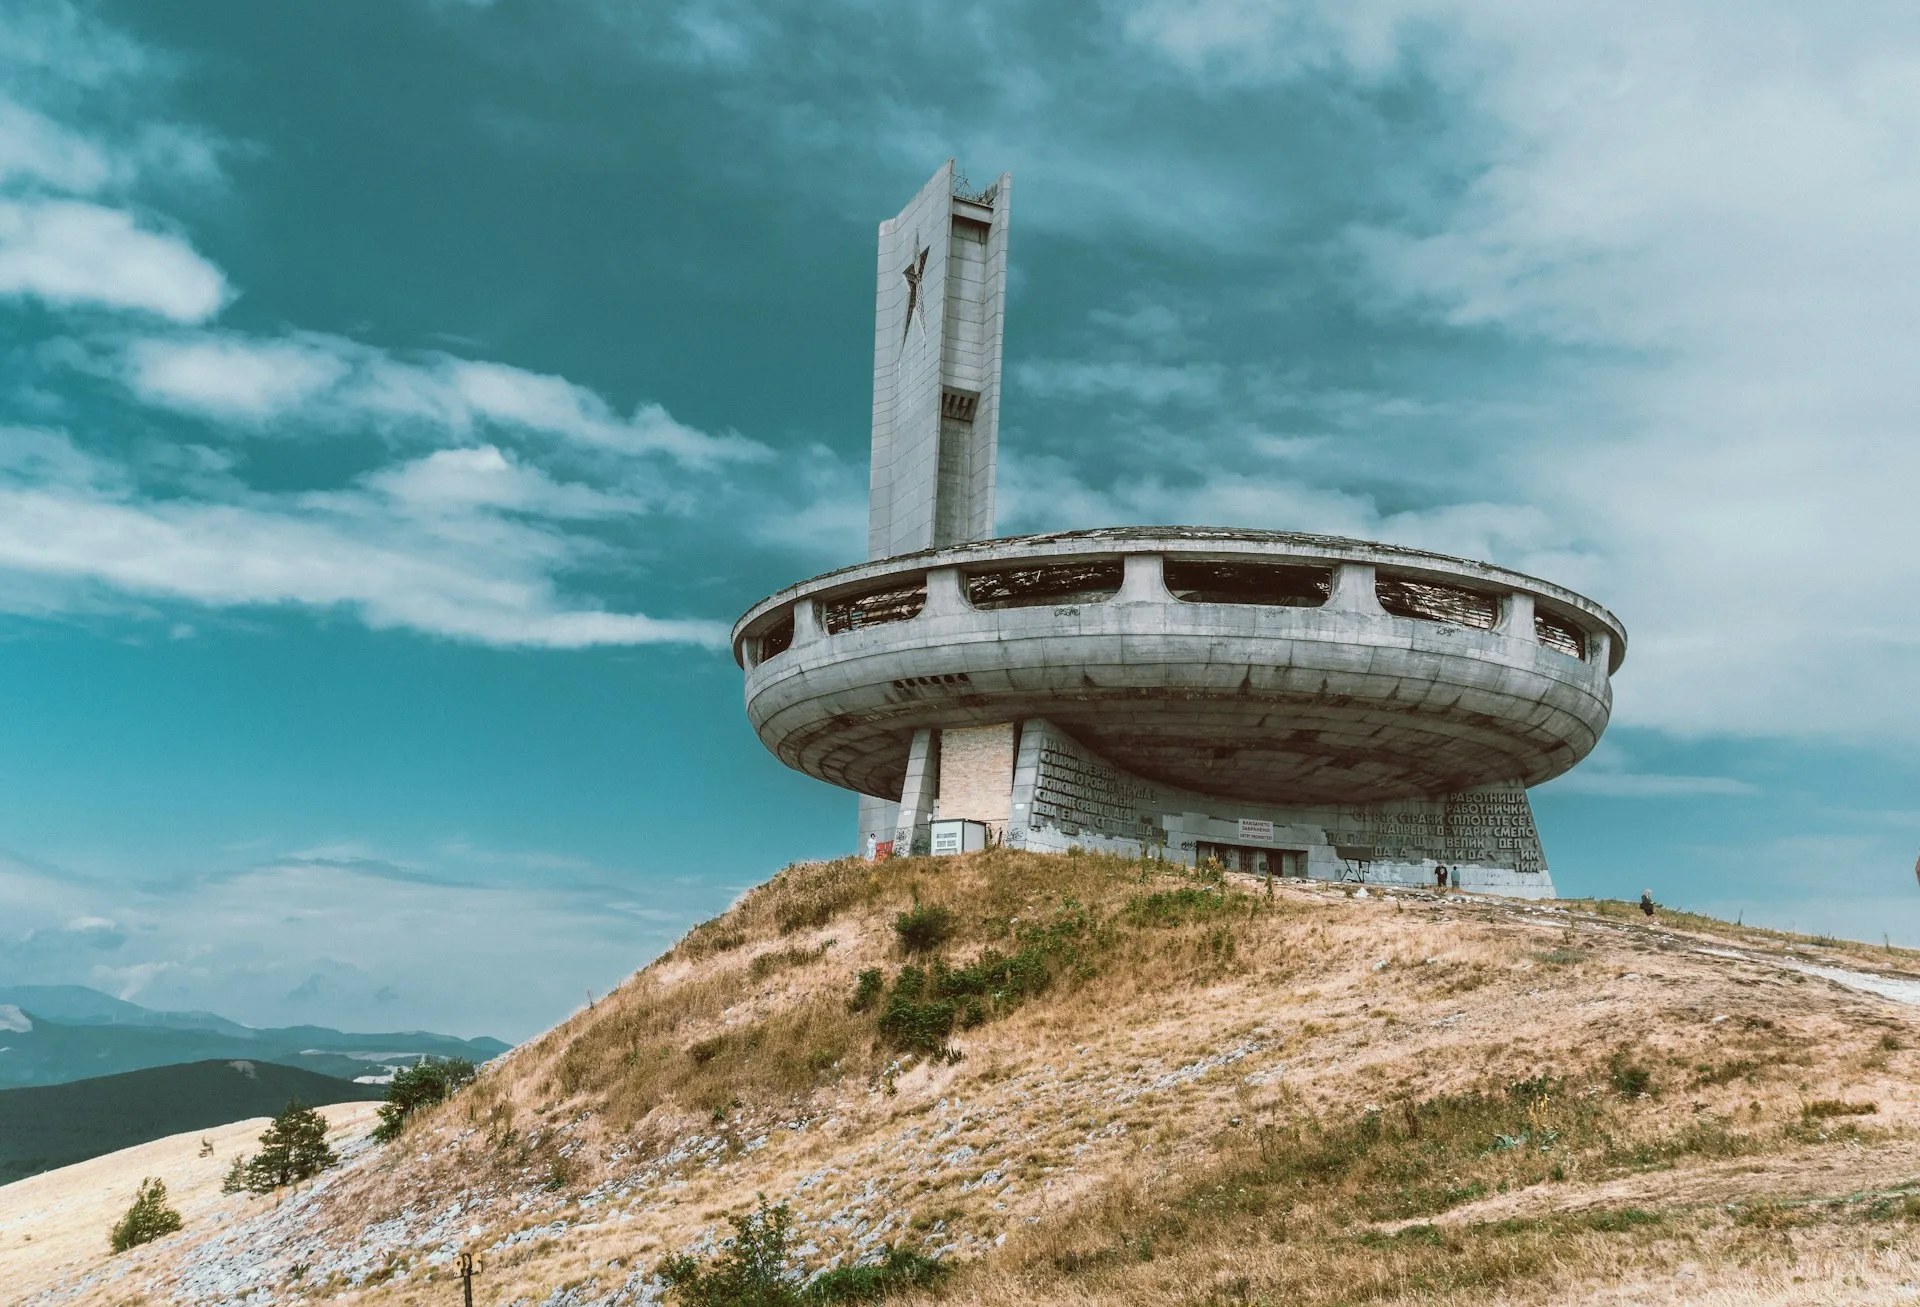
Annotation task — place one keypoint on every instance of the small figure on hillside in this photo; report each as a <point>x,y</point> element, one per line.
<point>1646,901</point>
<point>1440,876</point>
<point>1453,877</point>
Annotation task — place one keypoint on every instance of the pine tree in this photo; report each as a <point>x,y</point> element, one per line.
<point>147,1219</point>
<point>292,1149</point>
<point>431,1080</point>
<point>236,1181</point>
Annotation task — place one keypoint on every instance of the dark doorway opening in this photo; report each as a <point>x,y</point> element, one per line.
<point>1290,863</point>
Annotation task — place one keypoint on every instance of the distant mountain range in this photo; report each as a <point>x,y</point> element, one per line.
<point>52,1034</point>
<point>57,1125</point>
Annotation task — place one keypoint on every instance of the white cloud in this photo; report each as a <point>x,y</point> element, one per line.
<point>33,148</point>
<point>1713,209</point>
<point>231,377</point>
<point>1258,40</point>
<point>242,942</point>
<point>425,546</point>
<point>461,480</point>
<point>1649,785</point>
<point>338,384</point>
<point>1041,494</point>
<point>69,252</point>
<point>129,983</point>
<point>1144,383</point>
<point>470,541</point>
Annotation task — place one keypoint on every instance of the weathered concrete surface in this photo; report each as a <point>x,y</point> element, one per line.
<point>940,312</point>
<point>1064,796</point>
<point>1337,704</point>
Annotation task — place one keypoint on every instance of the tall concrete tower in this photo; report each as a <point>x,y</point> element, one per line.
<point>940,308</point>
<point>940,301</point>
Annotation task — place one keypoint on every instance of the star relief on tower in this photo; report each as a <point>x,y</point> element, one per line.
<point>915,272</point>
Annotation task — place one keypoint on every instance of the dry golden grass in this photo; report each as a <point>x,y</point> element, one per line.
<point>53,1226</point>
<point>1176,1092</point>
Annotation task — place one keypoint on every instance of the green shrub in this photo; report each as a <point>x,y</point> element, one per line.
<point>996,976</point>
<point>925,1003</point>
<point>1628,1078</point>
<point>148,1218</point>
<point>867,988</point>
<point>752,1269</point>
<point>912,1019</point>
<point>757,1268</point>
<point>1619,1220</point>
<point>1725,1073</point>
<point>925,928</point>
<point>900,1270</point>
<point>1829,1107</point>
<point>292,1149</point>
<point>1177,907</point>
<point>1530,1091</point>
<point>429,1081</point>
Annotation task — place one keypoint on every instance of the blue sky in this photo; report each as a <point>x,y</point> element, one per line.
<point>400,398</point>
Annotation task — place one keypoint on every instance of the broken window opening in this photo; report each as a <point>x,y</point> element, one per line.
<point>778,638</point>
<point>1558,633</point>
<point>1432,602</point>
<point>1056,583</point>
<point>960,405</point>
<point>1278,585</point>
<point>892,603</point>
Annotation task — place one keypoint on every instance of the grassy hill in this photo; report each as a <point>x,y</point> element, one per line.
<point>1085,1079</point>
<point>55,1125</point>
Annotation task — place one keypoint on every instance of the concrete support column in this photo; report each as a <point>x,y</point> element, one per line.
<point>1031,737</point>
<point>1144,581</point>
<point>806,622</point>
<point>917,796</point>
<point>944,597</point>
<point>1353,590</point>
<point>1516,617</point>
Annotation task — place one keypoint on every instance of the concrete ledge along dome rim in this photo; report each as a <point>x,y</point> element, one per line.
<point>1206,543</point>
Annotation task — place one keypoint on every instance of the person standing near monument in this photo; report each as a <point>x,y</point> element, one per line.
<point>1440,876</point>
<point>1646,901</point>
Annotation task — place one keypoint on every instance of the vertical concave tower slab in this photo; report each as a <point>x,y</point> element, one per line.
<point>940,300</point>
<point>940,314</point>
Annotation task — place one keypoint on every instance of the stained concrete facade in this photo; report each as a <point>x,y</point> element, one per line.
<point>1064,796</point>
<point>939,320</point>
<point>1343,702</point>
<point>1304,705</point>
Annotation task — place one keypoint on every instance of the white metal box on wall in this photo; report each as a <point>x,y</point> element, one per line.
<point>954,836</point>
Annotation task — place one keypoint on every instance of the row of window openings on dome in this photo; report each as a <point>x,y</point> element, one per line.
<point>1263,584</point>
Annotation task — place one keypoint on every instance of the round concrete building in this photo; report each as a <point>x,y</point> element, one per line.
<point>1293,704</point>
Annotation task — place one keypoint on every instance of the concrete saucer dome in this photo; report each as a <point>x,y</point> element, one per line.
<point>1264,666</point>
<point>1268,700</point>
